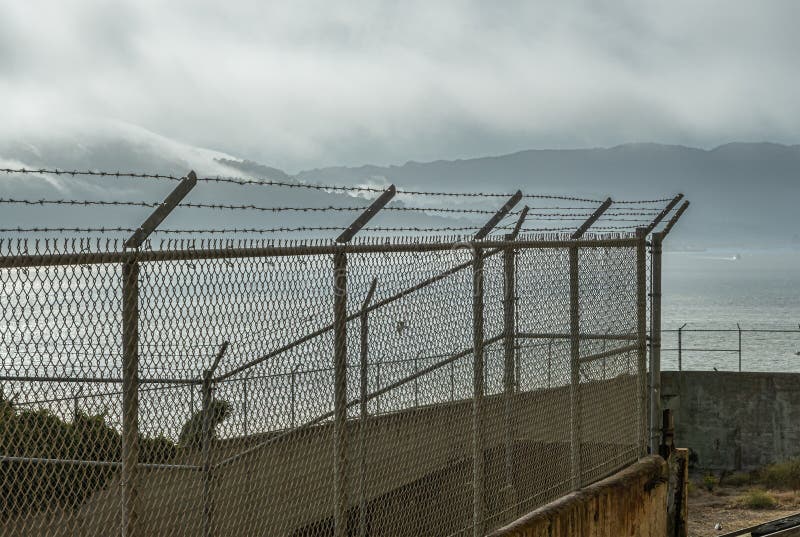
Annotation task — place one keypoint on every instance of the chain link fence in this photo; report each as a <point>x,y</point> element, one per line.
<point>411,387</point>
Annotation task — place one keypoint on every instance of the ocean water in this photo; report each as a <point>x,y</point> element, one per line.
<point>715,290</point>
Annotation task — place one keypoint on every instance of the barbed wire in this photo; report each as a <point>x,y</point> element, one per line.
<point>319,187</point>
<point>222,206</point>
<point>73,173</point>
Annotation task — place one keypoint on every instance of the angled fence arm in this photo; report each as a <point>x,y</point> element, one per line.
<point>362,220</point>
<point>499,215</point>
<point>592,219</point>
<point>673,202</point>
<point>674,219</point>
<point>162,211</point>
<point>518,226</point>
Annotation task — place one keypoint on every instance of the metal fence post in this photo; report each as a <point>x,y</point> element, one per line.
<point>509,380</point>
<point>340,392</point>
<point>206,452</point>
<point>362,407</point>
<point>641,315</point>
<point>130,395</point>
<point>206,440</point>
<point>680,346</point>
<point>478,470</point>
<point>655,340</point>
<point>244,405</point>
<point>575,380</point>
<point>739,329</point>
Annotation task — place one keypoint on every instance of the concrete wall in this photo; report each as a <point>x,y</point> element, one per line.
<point>735,421</point>
<point>630,502</point>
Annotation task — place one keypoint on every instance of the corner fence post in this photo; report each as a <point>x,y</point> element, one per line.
<point>509,380</point>
<point>478,469</point>
<point>574,367</point>
<point>340,392</point>
<point>655,339</point>
<point>130,353</point>
<point>362,407</point>
<point>130,395</point>
<point>641,317</point>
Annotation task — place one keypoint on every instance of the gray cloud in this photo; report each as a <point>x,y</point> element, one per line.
<point>306,84</point>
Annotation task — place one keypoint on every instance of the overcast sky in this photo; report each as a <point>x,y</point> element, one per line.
<point>305,84</point>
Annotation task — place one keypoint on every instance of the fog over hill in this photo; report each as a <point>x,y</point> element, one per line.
<point>743,194</point>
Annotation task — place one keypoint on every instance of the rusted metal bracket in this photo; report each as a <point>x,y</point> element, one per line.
<point>367,215</point>
<point>592,219</point>
<point>674,219</point>
<point>499,215</point>
<point>664,213</point>
<point>162,211</point>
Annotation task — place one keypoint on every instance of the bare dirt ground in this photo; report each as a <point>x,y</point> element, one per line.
<point>723,506</point>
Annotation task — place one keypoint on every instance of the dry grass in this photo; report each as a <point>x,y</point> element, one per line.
<point>737,507</point>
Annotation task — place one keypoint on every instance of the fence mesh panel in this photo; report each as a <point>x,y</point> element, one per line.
<point>234,390</point>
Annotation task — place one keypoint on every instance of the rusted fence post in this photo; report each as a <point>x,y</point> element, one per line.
<point>130,395</point>
<point>362,407</point>
<point>130,353</point>
<point>207,439</point>
<point>574,367</point>
<point>509,380</point>
<point>655,338</point>
<point>641,325</point>
<point>340,392</point>
<point>478,469</point>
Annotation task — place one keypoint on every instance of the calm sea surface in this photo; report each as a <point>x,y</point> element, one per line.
<point>716,289</point>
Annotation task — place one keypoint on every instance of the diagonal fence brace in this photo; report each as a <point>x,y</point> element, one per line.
<point>367,215</point>
<point>499,215</point>
<point>162,211</point>
<point>592,219</point>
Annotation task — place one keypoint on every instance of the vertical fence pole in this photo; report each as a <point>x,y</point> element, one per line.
<point>655,340</point>
<point>509,380</point>
<point>680,346</point>
<point>478,473</point>
<point>130,395</point>
<point>739,329</point>
<point>641,315</point>
<point>362,407</point>
<point>244,406</point>
<point>575,379</point>
<point>206,452</point>
<point>293,397</point>
<point>340,392</point>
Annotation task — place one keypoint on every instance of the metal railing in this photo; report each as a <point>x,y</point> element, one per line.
<point>732,346</point>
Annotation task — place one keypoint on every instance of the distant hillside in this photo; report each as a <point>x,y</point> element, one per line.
<point>741,193</point>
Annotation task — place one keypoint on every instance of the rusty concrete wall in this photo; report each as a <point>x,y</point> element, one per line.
<point>734,421</point>
<point>630,502</point>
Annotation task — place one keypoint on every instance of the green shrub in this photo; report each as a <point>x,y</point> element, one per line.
<point>758,499</point>
<point>739,479</point>
<point>782,475</point>
<point>709,482</point>
<point>31,486</point>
